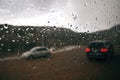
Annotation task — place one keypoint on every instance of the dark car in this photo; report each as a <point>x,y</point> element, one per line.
<point>99,50</point>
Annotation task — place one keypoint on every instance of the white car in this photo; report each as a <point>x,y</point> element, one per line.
<point>36,52</point>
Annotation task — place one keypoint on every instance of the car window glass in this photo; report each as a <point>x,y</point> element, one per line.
<point>42,49</point>
<point>96,45</point>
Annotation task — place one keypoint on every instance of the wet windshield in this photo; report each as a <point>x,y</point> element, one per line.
<point>65,27</point>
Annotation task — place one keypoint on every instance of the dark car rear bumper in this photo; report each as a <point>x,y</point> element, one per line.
<point>97,55</point>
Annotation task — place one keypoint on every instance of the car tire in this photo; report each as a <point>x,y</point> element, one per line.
<point>109,57</point>
<point>48,55</point>
<point>89,58</point>
<point>31,57</point>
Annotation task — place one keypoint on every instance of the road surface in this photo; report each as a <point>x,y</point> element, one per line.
<point>71,64</point>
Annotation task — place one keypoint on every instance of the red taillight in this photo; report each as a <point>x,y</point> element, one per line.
<point>87,50</point>
<point>104,50</point>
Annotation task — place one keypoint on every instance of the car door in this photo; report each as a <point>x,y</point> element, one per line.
<point>41,52</point>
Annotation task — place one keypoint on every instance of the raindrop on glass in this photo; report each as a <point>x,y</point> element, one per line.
<point>70,25</point>
<point>85,4</point>
<point>27,42</point>
<point>54,27</point>
<point>2,44</point>
<point>7,31</point>
<point>96,19</point>
<point>48,21</point>
<point>13,40</point>
<point>5,26</point>
<point>1,29</point>
<point>8,49</point>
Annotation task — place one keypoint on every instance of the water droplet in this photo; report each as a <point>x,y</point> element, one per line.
<point>8,49</point>
<point>83,37</point>
<point>34,41</point>
<point>32,28</point>
<point>13,40</point>
<point>96,18</point>
<point>18,35</point>
<point>88,31</point>
<point>84,27</point>
<point>48,21</point>
<point>3,36</point>
<point>85,4</point>
<point>95,2</point>
<point>71,25</point>
<point>37,38</point>
<point>76,28</point>
<point>2,44</point>
<point>7,32</point>
<point>27,42</point>
<point>34,67</point>
<point>1,29</point>
<point>5,26</point>
<point>54,27</point>
<point>27,29</point>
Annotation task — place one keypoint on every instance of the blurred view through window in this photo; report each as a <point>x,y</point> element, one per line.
<point>63,30</point>
<point>28,23</point>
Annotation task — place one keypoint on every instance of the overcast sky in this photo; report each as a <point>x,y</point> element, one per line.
<point>83,15</point>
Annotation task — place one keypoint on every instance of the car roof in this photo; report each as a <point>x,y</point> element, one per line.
<point>100,41</point>
<point>37,47</point>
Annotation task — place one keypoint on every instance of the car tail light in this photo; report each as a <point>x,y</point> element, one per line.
<point>104,50</point>
<point>87,50</point>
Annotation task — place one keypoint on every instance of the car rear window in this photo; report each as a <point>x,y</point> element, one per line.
<point>96,45</point>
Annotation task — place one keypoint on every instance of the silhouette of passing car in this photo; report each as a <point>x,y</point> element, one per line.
<point>36,52</point>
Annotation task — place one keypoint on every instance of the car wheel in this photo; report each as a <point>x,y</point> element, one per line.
<point>48,55</point>
<point>31,57</point>
<point>109,58</point>
<point>89,58</point>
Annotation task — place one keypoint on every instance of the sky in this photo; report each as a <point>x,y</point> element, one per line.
<point>78,15</point>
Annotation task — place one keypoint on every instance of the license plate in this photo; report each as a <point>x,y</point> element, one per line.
<point>97,54</point>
